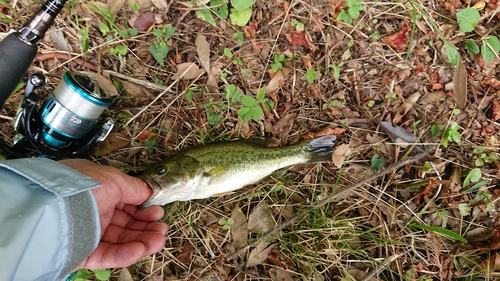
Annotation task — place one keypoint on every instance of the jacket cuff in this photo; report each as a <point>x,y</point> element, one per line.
<point>79,222</point>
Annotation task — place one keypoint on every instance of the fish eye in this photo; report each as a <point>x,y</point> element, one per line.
<point>161,171</point>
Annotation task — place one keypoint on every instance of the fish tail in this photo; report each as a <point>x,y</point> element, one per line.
<point>321,149</point>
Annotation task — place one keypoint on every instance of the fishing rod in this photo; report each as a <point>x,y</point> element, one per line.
<point>65,126</point>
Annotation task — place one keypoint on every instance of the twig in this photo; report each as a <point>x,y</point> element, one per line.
<point>140,82</point>
<point>334,196</point>
<point>66,57</point>
<point>381,267</point>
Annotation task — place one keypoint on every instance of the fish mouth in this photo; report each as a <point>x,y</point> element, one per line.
<point>155,186</point>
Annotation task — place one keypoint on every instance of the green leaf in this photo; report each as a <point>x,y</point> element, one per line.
<point>239,36</point>
<point>206,16</point>
<point>159,50</point>
<point>256,112</point>
<point>440,230</point>
<point>452,53</point>
<point>169,31</point>
<point>435,130</point>
<point>150,144</point>
<point>472,47</point>
<point>236,96</point>
<point>102,274</point>
<point>246,73</point>
<point>240,5</point>
<point>464,209</point>
<point>221,10</point>
<point>81,274</point>
<point>467,19</point>
<point>311,75</point>
<point>222,222</point>
<point>473,176</point>
<point>157,32</point>
<point>245,114</point>
<point>230,90</point>
<point>212,117</point>
<point>376,162</point>
<point>240,17</point>
<point>490,48</point>
<point>261,94</point>
<point>344,16</point>
<point>248,101</point>
<point>228,53</point>
<point>103,28</point>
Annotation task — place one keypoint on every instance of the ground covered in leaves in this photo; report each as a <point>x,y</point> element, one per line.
<point>412,190</point>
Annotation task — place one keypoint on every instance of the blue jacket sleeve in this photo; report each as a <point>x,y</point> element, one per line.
<point>49,222</point>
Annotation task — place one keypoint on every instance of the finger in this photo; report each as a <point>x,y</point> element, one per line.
<point>108,255</point>
<point>152,213</point>
<point>147,233</point>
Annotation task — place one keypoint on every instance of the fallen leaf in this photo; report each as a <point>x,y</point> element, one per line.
<point>115,6</point>
<point>427,191</point>
<point>398,39</point>
<point>284,125</point>
<point>279,274</point>
<point>460,85</point>
<point>144,21</point>
<point>276,82</point>
<point>495,115</point>
<point>259,220</point>
<point>490,265</point>
<point>259,254</point>
<point>325,131</point>
<point>125,275</point>
<point>145,136</point>
<point>239,229</point>
<point>59,40</point>
<point>340,154</point>
<point>186,254</point>
<point>491,81</point>
<point>113,142</point>
<point>187,71</point>
<point>398,132</point>
<point>104,83</point>
<point>162,5</point>
<point>300,38</point>
<point>203,50</point>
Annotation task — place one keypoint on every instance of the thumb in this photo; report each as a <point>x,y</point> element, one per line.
<point>134,191</point>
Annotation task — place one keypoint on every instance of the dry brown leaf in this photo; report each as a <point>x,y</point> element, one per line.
<point>186,254</point>
<point>145,135</point>
<point>325,131</point>
<point>125,275</point>
<point>160,4</point>
<point>144,21</point>
<point>59,40</point>
<point>104,83</point>
<point>203,50</point>
<point>279,274</point>
<point>278,80</point>
<point>113,142</point>
<point>115,6</point>
<point>259,220</point>
<point>490,265</point>
<point>399,39</point>
<point>460,85</point>
<point>495,115</point>
<point>259,254</point>
<point>340,154</point>
<point>284,125</point>
<point>239,229</point>
<point>187,71</point>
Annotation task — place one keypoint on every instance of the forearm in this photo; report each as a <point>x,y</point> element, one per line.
<point>48,219</point>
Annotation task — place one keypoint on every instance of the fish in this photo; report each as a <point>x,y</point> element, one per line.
<point>220,168</point>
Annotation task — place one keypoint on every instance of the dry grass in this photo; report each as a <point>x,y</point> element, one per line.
<point>367,233</point>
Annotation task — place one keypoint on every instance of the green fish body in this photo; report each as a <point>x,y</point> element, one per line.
<point>220,168</point>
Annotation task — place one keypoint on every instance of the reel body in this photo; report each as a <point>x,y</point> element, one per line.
<point>69,122</point>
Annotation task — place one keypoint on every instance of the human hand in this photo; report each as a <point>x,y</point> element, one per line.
<point>127,233</point>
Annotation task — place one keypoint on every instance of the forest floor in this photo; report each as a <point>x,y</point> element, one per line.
<point>413,97</point>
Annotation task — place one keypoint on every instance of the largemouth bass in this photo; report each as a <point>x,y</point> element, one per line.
<point>220,168</point>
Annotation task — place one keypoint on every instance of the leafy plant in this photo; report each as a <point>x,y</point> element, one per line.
<point>311,75</point>
<point>120,49</point>
<point>354,7</point>
<point>278,62</point>
<point>451,134</point>
<point>240,13</point>
<point>160,49</point>
<point>84,32</point>
<point>473,176</point>
<point>83,274</point>
<point>376,162</point>
<point>226,224</point>
<point>252,107</point>
<point>233,94</point>
<point>483,157</point>
<point>467,19</point>
<point>299,26</point>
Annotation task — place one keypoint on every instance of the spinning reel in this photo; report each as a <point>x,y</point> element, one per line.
<point>68,123</point>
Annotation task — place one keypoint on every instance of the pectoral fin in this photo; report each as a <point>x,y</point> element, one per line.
<point>217,171</point>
